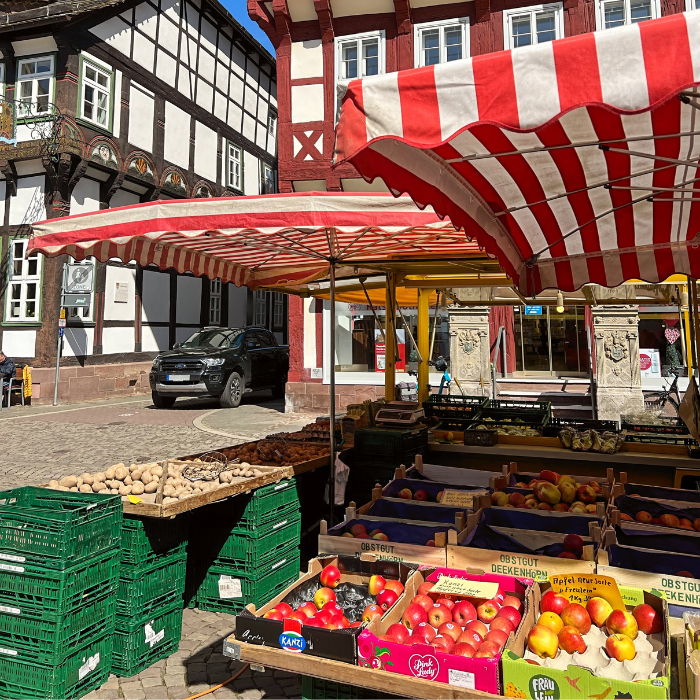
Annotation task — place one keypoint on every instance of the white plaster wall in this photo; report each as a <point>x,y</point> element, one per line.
<point>343,334</point>
<point>237,306</point>
<point>309,333</point>
<point>205,151</point>
<point>141,118</point>
<point>115,340</point>
<point>205,95</point>
<point>303,11</point>
<point>348,8</point>
<point>307,59</point>
<point>206,66</point>
<point>120,311</point>
<point>154,338</point>
<point>32,47</point>
<point>251,174</point>
<point>19,343</point>
<point>28,206</point>
<point>155,301</point>
<point>208,35</point>
<point>248,126</point>
<point>176,148</point>
<point>78,342</point>
<point>189,300</point>
<point>236,89</point>
<point>165,68</point>
<point>116,33</point>
<point>146,19</point>
<point>307,103</point>
<point>235,115</point>
<point>123,198</point>
<point>144,51</point>
<point>85,197</point>
<point>168,36</point>
<point>182,334</point>
<point>220,106</point>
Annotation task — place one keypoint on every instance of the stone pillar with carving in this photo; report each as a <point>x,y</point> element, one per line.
<point>618,375</point>
<point>469,347</point>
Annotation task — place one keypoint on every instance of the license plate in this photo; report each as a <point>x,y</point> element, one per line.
<point>177,377</point>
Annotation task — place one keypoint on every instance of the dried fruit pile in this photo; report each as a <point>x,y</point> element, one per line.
<point>610,643</point>
<point>273,452</point>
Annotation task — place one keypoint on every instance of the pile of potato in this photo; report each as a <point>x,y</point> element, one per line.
<point>178,487</point>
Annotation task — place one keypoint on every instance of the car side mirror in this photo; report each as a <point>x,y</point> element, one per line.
<point>177,345</point>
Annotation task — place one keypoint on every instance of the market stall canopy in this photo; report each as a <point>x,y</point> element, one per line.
<point>572,161</point>
<point>404,297</point>
<point>263,241</point>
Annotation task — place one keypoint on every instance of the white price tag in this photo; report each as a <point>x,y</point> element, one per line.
<point>8,567</point>
<point>284,522</point>
<point>12,557</point>
<point>463,679</point>
<point>230,587</point>
<point>90,665</point>
<point>279,563</point>
<point>9,652</point>
<point>9,610</point>
<point>153,637</point>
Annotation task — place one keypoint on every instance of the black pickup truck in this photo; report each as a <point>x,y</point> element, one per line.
<point>221,362</point>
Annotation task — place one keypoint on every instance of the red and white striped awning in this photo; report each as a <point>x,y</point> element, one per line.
<point>572,161</point>
<point>269,240</point>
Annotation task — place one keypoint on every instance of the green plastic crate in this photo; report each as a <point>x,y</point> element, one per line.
<point>391,444</point>
<point>145,539</point>
<point>57,528</point>
<point>246,552</point>
<point>51,641</point>
<point>320,689</point>
<point>84,670</point>
<point>36,590</point>
<point>152,587</point>
<point>265,505</point>
<point>256,587</point>
<point>140,642</point>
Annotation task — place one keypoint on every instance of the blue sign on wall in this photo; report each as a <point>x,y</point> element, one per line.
<point>533,310</point>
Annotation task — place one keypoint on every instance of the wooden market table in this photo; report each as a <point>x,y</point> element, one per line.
<point>646,467</point>
<point>339,672</point>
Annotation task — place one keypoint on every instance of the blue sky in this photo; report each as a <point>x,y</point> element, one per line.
<point>239,10</point>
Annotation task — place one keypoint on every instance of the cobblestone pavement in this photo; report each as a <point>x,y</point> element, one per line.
<point>197,666</point>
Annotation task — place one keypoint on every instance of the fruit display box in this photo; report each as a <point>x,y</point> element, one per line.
<point>527,543</point>
<point>253,627</point>
<point>606,484</point>
<point>406,541</point>
<point>455,476</point>
<point>422,491</point>
<point>379,648</point>
<point>524,677</point>
<point>656,514</point>
<point>691,652</point>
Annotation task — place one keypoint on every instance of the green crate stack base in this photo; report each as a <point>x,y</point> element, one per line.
<point>132,649</point>
<point>257,586</point>
<point>145,540</point>
<point>319,689</point>
<point>84,669</point>
<point>264,506</point>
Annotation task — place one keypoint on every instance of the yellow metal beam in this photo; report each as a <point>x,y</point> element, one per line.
<point>424,343</point>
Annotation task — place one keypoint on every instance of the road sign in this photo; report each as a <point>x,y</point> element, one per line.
<point>79,279</point>
<point>61,322</point>
<point>61,331</point>
<point>81,300</point>
<point>533,310</point>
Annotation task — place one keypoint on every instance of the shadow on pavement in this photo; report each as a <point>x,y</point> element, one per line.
<point>208,403</point>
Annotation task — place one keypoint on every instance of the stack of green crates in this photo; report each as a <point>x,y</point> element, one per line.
<point>149,595</point>
<point>59,565</point>
<point>259,556</point>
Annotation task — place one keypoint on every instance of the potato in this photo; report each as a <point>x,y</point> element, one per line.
<point>120,473</point>
<point>257,472</point>
<point>53,484</point>
<point>147,477</point>
<point>196,490</point>
<point>236,472</point>
<point>137,488</point>
<point>125,490</point>
<point>133,467</point>
<point>245,465</point>
<point>79,482</point>
<point>109,474</point>
<point>169,490</point>
<point>100,476</point>
<point>88,478</point>
<point>85,488</point>
<point>169,500</point>
<point>225,477</point>
<point>157,471</point>
<point>99,486</point>
<point>73,488</point>
<point>151,488</point>
<point>136,474</point>
<point>69,481</point>
<point>128,480</point>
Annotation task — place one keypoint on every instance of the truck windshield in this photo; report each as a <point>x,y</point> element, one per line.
<point>217,338</point>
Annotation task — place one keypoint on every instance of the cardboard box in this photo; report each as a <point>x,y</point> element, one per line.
<point>522,679</point>
<point>606,484</point>
<point>425,661</point>
<point>340,644</point>
<point>691,656</point>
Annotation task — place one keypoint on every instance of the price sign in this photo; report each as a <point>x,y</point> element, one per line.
<point>458,499</point>
<point>61,322</point>
<point>463,587</point>
<point>580,588</point>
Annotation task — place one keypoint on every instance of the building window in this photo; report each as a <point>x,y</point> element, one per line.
<point>235,167</point>
<point>268,179</point>
<point>692,5</point>
<point>360,56</point>
<point>260,309</point>
<point>616,13</point>
<point>96,95</point>
<point>532,25</point>
<point>278,311</point>
<point>272,125</point>
<point>24,285</point>
<point>215,302</point>
<point>35,85</point>
<point>441,42</point>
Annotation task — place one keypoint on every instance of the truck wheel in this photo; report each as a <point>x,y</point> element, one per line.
<point>162,401</point>
<point>278,391</point>
<point>232,394</point>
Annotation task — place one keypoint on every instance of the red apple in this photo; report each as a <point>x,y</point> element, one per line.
<point>622,622</point>
<point>398,632</point>
<point>330,576</point>
<point>489,646</point>
<point>424,601</point>
<point>425,587</point>
<point>511,613</point>
<point>333,608</point>
<point>567,555</point>
<point>273,615</point>
<point>502,623</point>
<point>447,642</point>
<point>512,602</point>
<point>420,495</point>
<point>395,586</point>
<point>376,584</point>
<point>439,614</point>
<point>358,529</point>
<point>309,609</point>
<point>298,615</point>
<point>381,536</point>
<point>585,494</point>
<point>447,602</point>
<point>463,649</point>
<point>324,615</point>
<point>648,620</point>
<point>477,626</point>
<point>620,647</point>
<point>386,638</point>
<point>425,631</point>
<point>463,612</point>
<point>406,494</point>
<point>574,543</point>
<point>543,642</point>
<point>386,599</point>
<point>570,640</point>
<point>285,609</point>
<point>314,622</point>
<point>342,622</point>
<point>371,612</point>
<point>323,596</point>
<point>553,602</point>
<point>471,637</point>
<point>487,611</point>
<point>484,654</point>
<point>413,615</point>
<point>439,646</point>
<point>449,629</point>
<point>577,616</point>
<point>498,636</point>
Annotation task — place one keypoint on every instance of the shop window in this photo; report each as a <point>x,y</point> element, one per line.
<point>96,94</point>
<point>24,285</point>
<point>268,180</point>
<point>441,42</point>
<point>616,13</point>
<point>527,26</point>
<point>660,334</point>
<point>260,309</point>
<point>272,125</point>
<point>35,85</point>
<point>215,302</point>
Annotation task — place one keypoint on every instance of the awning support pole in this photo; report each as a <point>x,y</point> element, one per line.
<point>432,339</point>
<point>371,306</point>
<point>407,329</point>
<point>423,344</point>
<point>331,481</point>
<point>391,349</point>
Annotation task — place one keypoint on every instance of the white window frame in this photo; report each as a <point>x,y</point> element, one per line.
<point>600,14</point>
<point>260,309</point>
<point>84,80</point>
<point>441,25</point>
<point>272,125</point>
<point>215,302</point>
<point>533,11</point>
<point>266,167</point>
<point>21,280</point>
<point>34,78</point>
<point>230,160</point>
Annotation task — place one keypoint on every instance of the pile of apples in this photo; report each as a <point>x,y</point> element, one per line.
<point>454,626</point>
<point>552,491</point>
<point>666,520</point>
<point>359,532</point>
<point>564,625</point>
<point>417,495</point>
<point>325,612</point>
